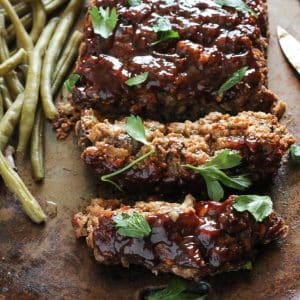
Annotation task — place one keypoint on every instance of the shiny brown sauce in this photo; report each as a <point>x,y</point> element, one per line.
<point>184,73</point>
<point>209,238</point>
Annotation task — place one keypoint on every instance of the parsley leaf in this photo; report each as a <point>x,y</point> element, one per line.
<point>248,266</point>
<point>70,83</point>
<point>295,153</point>
<point>134,225</point>
<point>135,128</point>
<point>138,79</point>
<point>104,21</point>
<point>238,5</point>
<point>164,29</point>
<point>135,2</point>
<point>176,290</point>
<point>214,177</point>
<point>214,188</point>
<point>232,81</point>
<point>106,178</point>
<point>226,159</point>
<point>259,207</point>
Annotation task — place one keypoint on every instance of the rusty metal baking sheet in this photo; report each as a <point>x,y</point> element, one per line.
<point>47,262</point>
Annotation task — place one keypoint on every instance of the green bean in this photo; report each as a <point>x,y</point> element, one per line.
<point>32,89</point>
<point>14,84</point>
<point>27,19</point>
<point>1,106</point>
<point>39,19</point>
<point>24,69</point>
<point>10,121</point>
<point>54,5</point>
<point>52,54</point>
<point>66,61</point>
<point>12,62</point>
<point>21,9</point>
<point>15,184</point>
<point>37,147</point>
<point>11,33</point>
<point>5,94</point>
<point>23,38</point>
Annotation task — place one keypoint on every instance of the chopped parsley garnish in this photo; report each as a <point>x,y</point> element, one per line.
<point>176,290</point>
<point>238,5</point>
<point>164,30</point>
<point>214,177</point>
<point>295,153</point>
<point>70,83</point>
<point>259,207</point>
<point>132,225</point>
<point>104,21</point>
<point>138,79</point>
<point>232,81</point>
<point>135,128</point>
<point>135,2</point>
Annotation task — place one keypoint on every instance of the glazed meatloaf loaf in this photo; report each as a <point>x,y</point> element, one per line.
<point>184,73</point>
<point>192,240</point>
<point>257,136</point>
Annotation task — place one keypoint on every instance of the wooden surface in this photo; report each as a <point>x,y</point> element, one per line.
<point>46,262</point>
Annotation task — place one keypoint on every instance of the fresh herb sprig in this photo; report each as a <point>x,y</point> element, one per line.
<point>132,225</point>
<point>104,20</point>
<point>232,81</point>
<point>135,128</point>
<point>259,207</point>
<point>295,153</point>
<point>70,83</point>
<point>238,5</point>
<point>176,290</point>
<point>164,30</point>
<point>107,178</point>
<point>138,79</point>
<point>214,177</point>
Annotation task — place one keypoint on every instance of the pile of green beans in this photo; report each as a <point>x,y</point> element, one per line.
<point>32,88</point>
<point>40,61</point>
<point>52,55</point>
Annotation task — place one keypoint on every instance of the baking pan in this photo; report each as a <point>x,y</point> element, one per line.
<point>47,262</point>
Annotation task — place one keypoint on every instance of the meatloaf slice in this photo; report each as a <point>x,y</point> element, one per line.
<point>257,136</point>
<point>192,240</point>
<point>184,73</point>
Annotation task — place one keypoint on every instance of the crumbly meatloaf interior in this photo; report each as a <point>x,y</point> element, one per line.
<point>257,136</point>
<point>192,240</point>
<point>184,73</point>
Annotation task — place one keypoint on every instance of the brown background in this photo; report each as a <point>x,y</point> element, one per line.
<point>47,262</point>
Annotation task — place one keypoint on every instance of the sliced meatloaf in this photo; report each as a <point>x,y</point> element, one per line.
<point>184,73</point>
<point>192,240</point>
<point>257,136</point>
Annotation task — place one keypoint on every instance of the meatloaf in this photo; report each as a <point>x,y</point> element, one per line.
<point>192,240</point>
<point>257,136</point>
<point>184,73</point>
